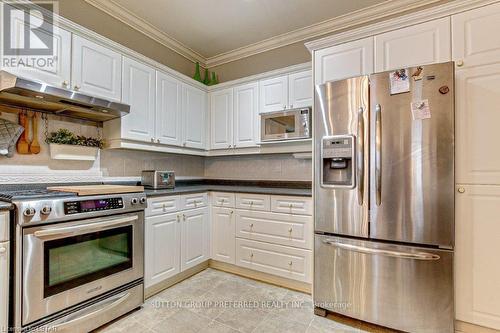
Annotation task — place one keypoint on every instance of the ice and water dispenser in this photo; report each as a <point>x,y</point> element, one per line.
<point>338,161</point>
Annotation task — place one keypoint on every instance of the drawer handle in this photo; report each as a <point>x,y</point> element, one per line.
<point>232,212</point>
<point>251,255</point>
<point>251,203</point>
<point>290,230</point>
<point>290,263</point>
<point>164,207</point>
<point>184,217</point>
<point>290,206</point>
<point>251,225</point>
<point>178,218</point>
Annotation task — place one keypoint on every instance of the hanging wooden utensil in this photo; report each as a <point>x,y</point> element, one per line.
<point>22,144</point>
<point>35,145</point>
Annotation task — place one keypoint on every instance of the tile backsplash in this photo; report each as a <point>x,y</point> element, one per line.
<point>130,163</point>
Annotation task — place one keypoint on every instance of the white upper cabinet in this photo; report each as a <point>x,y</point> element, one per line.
<point>57,73</point>
<point>476,39</point>
<point>343,61</point>
<point>477,95</point>
<point>96,70</point>
<point>246,115</point>
<point>139,92</point>
<point>162,248</point>
<point>194,105</point>
<point>274,94</point>
<point>300,91</point>
<point>221,115</point>
<point>168,128</point>
<point>419,44</point>
<point>477,273</point>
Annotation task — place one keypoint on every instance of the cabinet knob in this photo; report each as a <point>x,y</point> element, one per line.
<point>290,206</point>
<point>3,250</point>
<point>284,106</point>
<point>251,255</point>
<point>229,146</point>
<point>460,63</point>
<point>251,203</point>
<point>184,217</point>
<point>290,263</point>
<point>290,230</point>
<point>152,139</point>
<point>178,218</point>
<point>461,190</point>
<point>158,140</point>
<point>65,84</point>
<point>77,87</point>
<point>251,225</point>
<point>184,144</point>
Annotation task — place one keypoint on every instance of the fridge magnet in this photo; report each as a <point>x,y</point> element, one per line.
<point>399,81</point>
<point>418,74</point>
<point>420,109</point>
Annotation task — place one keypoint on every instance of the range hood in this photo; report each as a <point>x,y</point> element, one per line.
<point>19,92</point>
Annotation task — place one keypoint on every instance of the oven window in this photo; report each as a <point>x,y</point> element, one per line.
<point>74,261</point>
<point>280,125</point>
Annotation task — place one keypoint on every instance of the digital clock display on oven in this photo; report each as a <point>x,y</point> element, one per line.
<point>85,206</point>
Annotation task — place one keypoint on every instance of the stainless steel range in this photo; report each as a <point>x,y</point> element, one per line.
<point>79,261</point>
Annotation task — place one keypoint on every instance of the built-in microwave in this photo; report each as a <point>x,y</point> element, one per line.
<point>286,125</point>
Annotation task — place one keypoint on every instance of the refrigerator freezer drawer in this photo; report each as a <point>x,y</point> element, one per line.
<point>401,287</point>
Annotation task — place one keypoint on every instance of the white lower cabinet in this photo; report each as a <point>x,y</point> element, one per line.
<point>162,250</point>
<point>223,234</point>
<point>275,259</point>
<point>195,238</point>
<point>477,273</point>
<point>4,286</point>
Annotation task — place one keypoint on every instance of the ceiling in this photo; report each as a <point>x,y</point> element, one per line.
<point>218,26</point>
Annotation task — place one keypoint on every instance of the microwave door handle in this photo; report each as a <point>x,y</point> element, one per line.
<point>361,156</point>
<point>92,311</point>
<point>383,252</point>
<point>378,154</point>
<point>84,228</point>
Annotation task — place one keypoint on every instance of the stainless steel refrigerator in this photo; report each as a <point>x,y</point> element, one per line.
<point>384,198</point>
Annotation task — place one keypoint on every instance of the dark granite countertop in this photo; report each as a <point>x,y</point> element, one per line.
<point>186,189</point>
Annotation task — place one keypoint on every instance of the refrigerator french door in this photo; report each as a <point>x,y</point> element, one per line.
<point>384,198</point>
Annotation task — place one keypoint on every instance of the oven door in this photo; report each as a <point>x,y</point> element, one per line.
<point>283,125</point>
<point>68,263</point>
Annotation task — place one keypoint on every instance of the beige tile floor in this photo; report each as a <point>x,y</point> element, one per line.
<point>217,302</point>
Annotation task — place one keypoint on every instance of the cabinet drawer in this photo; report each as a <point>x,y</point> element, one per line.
<point>291,205</point>
<point>279,260</point>
<point>163,205</point>
<point>193,201</point>
<point>223,199</point>
<point>4,226</point>
<point>253,201</point>
<point>284,229</point>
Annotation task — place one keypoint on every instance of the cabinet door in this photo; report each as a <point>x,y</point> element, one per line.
<point>300,89</point>
<point>419,44</point>
<point>344,61</point>
<point>223,234</point>
<point>477,118</point>
<point>195,238</point>
<point>56,71</point>
<point>221,119</point>
<point>475,36</point>
<point>246,115</point>
<point>139,93</point>
<point>4,286</point>
<point>273,94</point>
<point>168,110</point>
<point>96,70</point>
<point>477,273</point>
<point>162,246</point>
<point>194,117</point>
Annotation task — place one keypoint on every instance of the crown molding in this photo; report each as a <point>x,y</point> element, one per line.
<point>122,14</point>
<point>433,13</point>
<point>359,17</point>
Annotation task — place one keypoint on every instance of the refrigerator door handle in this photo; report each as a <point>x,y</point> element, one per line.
<point>378,153</point>
<point>361,156</point>
<point>383,252</point>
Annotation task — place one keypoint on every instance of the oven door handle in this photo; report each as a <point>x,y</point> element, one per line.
<point>89,312</point>
<point>84,228</point>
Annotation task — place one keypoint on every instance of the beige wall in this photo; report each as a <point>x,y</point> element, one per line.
<point>259,167</point>
<point>96,20</point>
<point>129,163</point>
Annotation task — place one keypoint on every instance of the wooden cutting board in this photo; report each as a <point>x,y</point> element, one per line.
<point>97,189</point>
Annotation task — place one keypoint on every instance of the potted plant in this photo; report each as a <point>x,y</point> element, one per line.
<point>65,145</point>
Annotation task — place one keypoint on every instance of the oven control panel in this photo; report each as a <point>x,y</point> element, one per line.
<point>86,206</point>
